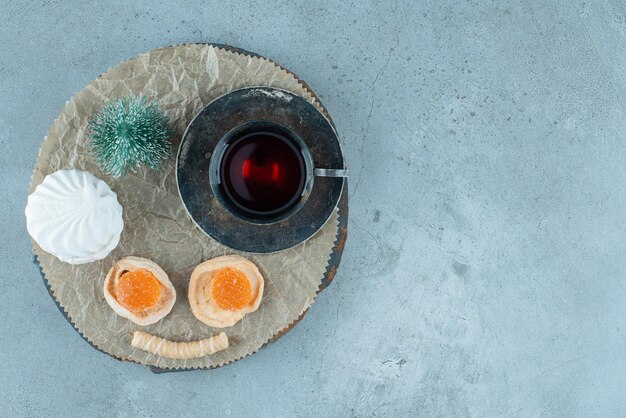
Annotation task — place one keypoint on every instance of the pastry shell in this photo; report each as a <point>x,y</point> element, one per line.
<point>149,316</point>
<point>205,309</point>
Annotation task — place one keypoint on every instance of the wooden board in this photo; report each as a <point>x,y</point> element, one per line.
<point>333,263</point>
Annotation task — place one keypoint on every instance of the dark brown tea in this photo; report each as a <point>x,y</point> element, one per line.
<point>262,173</point>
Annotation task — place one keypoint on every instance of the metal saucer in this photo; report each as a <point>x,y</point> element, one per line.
<point>237,108</point>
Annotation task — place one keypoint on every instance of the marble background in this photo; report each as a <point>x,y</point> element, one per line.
<point>484,271</point>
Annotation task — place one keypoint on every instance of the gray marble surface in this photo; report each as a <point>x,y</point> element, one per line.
<point>484,271</point>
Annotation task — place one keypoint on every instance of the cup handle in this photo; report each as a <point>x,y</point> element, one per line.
<point>331,172</point>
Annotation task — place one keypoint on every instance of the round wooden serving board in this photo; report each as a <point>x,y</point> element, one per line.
<point>333,262</point>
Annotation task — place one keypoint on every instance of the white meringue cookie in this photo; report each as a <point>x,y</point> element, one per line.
<point>74,216</point>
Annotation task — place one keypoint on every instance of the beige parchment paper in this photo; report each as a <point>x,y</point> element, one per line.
<point>183,79</point>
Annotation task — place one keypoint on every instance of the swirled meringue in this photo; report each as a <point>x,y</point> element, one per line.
<point>74,216</point>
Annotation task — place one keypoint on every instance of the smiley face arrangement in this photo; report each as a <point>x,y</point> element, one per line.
<point>221,292</point>
<point>75,226</point>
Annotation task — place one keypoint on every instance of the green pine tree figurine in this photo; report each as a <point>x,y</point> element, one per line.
<point>128,133</point>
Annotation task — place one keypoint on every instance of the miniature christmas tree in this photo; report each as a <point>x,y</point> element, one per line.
<point>128,133</point>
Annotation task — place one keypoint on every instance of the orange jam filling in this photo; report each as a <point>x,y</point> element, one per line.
<point>230,288</point>
<point>138,290</point>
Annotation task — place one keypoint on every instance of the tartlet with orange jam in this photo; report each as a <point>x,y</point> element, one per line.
<point>138,289</point>
<point>225,289</point>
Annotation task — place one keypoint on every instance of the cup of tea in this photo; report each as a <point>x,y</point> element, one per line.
<point>263,172</point>
<point>261,169</point>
